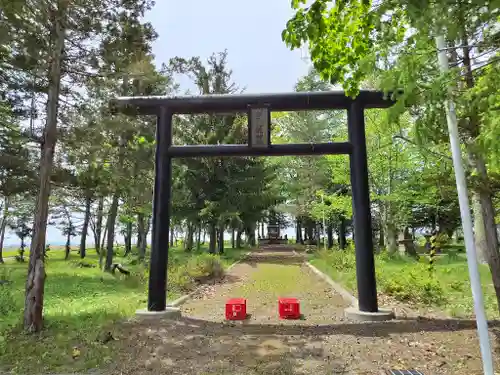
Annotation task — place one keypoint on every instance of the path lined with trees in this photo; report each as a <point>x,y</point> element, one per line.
<point>67,160</point>
<point>323,342</point>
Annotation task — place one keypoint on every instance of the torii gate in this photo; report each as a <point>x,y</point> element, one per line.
<point>259,108</point>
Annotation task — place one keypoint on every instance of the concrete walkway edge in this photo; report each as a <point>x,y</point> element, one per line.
<point>179,301</point>
<point>336,286</point>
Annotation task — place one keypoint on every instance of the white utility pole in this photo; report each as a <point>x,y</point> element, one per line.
<point>463,198</point>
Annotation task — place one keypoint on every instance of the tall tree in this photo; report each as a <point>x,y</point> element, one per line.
<point>53,51</point>
<point>305,176</point>
<point>217,192</point>
<point>17,172</point>
<point>351,40</point>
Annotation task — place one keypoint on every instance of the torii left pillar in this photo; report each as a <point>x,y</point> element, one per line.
<point>157,293</point>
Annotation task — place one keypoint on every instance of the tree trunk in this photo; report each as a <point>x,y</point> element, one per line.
<point>409,246</point>
<point>392,236</point>
<point>250,232</point>
<point>213,239</point>
<point>98,225</point>
<point>148,228</point>
<point>342,234</point>
<point>140,232</point>
<point>67,246</point>
<point>484,219</point>
<point>3,226</point>
<point>23,245</point>
<point>298,231</point>
<point>104,234</point>
<point>238,239</point>
<point>482,190</point>
<point>128,238</point>
<point>221,240</point>
<point>381,238</point>
<point>141,236</point>
<point>198,237</point>
<point>492,251</point>
<point>479,229</point>
<point>85,226</point>
<point>172,237</point>
<point>233,238</point>
<point>188,245</point>
<point>33,306</point>
<point>329,234</point>
<point>113,212</point>
<point>310,230</point>
<point>262,229</point>
<point>101,245</point>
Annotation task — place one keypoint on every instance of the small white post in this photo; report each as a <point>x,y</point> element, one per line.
<point>463,198</point>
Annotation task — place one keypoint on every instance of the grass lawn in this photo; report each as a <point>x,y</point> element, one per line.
<point>79,304</point>
<point>409,280</point>
<point>11,252</point>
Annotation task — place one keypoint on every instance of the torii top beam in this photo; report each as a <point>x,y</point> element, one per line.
<point>222,103</point>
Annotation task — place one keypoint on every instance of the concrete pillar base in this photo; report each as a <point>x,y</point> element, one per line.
<point>170,312</point>
<point>353,313</point>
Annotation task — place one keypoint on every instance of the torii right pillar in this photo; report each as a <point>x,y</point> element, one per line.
<point>367,309</point>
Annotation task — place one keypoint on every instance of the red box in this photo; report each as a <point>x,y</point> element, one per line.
<point>236,309</point>
<point>289,308</point>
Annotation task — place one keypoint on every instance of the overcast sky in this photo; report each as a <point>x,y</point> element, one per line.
<point>251,33</point>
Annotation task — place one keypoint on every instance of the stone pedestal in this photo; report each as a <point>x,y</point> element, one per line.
<point>170,312</point>
<point>353,313</point>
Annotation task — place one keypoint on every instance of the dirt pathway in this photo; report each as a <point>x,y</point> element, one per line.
<point>322,343</point>
<point>262,279</point>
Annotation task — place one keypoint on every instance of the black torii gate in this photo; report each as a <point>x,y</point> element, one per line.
<point>259,109</point>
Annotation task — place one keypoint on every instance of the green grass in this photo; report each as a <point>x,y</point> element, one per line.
<point>79,304</point>
<point>408,280</point>
<point>265,281</point>
<point>12,251</point>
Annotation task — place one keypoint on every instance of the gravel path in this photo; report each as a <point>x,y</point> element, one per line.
<point>202,343</point>
<point>262,279</point>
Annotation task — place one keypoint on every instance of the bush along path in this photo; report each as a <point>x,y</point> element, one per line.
<point>323,342</point>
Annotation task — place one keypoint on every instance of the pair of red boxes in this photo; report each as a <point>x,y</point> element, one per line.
<point>288,308</point>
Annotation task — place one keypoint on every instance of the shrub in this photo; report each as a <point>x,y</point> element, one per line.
<point>453,256</point>
<point>430,291</point>
<point>179,280</point>
<point>413,285</point>
<point>83,264</point>
<point>341,260</point>
<point>386,256</point>
<point>132,261</point>
<point>458,285</point>
<point>199,269</point>
<point>204,267</point>
<point>7,300</point>
<point>20,257</point>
